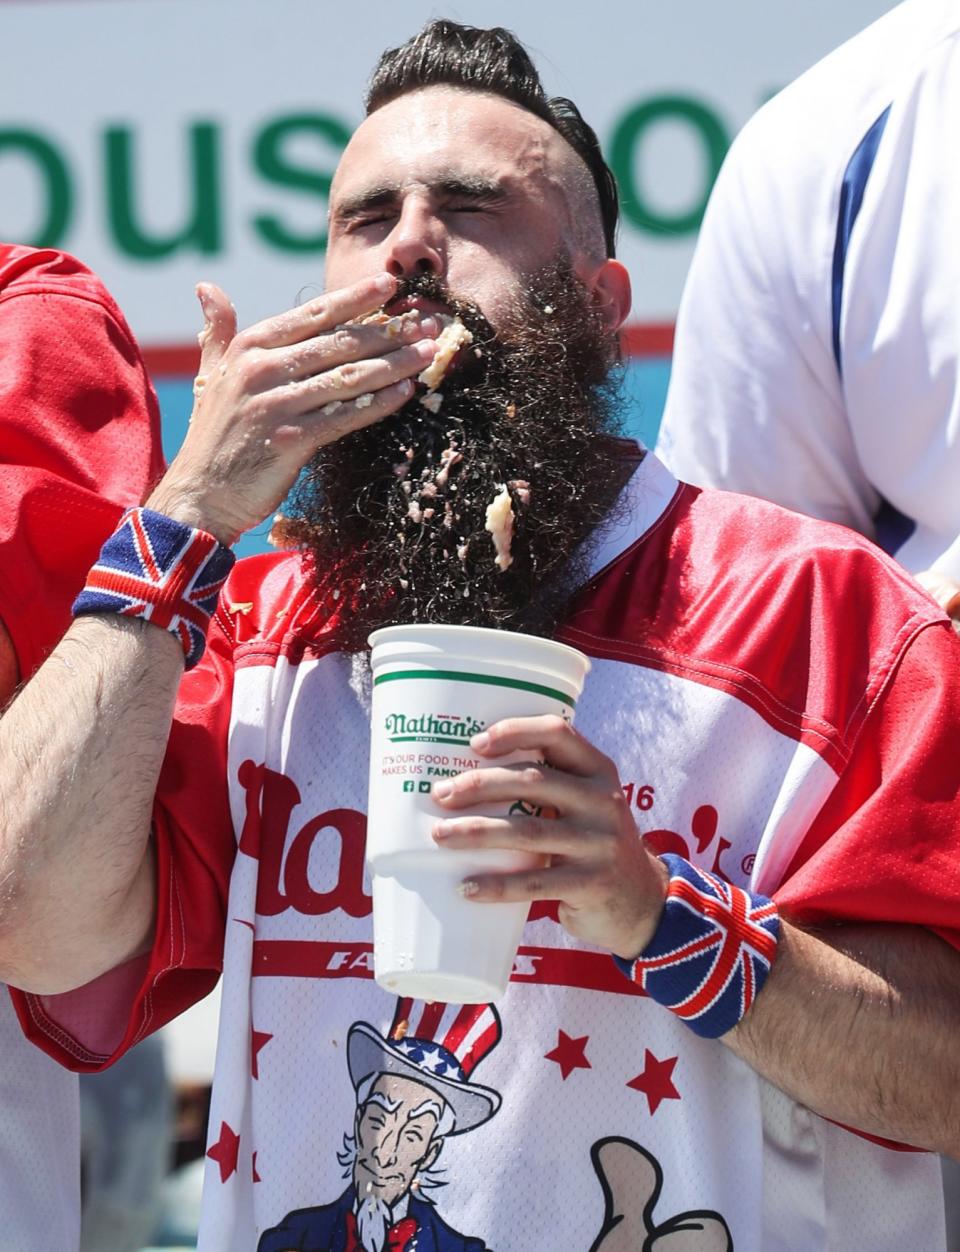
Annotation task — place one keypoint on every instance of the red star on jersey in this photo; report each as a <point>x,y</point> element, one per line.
<point>569,1054</point>
<point>225,1152</point>
<point>258,1040</point>
<point>656,1081</point>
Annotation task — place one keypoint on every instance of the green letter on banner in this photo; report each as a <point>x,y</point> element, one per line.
<point>272,161</point>
<point>201,231</point>
<point>52,228</point>
<point>714,141</point>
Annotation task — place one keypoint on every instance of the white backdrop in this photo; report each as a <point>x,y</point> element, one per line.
<point>101,100</point>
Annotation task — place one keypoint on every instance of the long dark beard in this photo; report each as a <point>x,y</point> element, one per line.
<point>394,516</point>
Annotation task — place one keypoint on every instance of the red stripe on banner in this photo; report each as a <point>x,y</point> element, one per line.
<point>555,967</point>
<point>172,360</point>
<point>643,339</point>
<point>647,339</point>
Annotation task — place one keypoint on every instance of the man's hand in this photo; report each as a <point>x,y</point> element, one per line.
<point>611,890</point>
<point>268,397</point>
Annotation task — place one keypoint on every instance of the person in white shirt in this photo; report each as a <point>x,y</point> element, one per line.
<point>816,357</point>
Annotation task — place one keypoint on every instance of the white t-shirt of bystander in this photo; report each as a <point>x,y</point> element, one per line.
<point>818,334</point>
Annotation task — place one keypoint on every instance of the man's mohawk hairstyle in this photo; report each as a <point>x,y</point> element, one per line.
<point>446,53</point>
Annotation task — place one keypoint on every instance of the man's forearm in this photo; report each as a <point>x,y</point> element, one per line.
<point>860,1024</point>
<point>80,754</point>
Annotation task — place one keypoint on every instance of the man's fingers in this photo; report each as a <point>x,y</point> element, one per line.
<point>219,325</point>
<point>340,418</point>
<point>353,342</point>
<point>538,786</point>
<point>355,380</point>
<point>549,737</point>
<point>519,834</point>
<point>324,313</point>
<point>557,882</point>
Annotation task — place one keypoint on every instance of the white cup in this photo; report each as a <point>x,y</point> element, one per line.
<point>434,687</point>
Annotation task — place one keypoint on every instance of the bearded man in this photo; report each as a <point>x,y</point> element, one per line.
<point>757,814</point>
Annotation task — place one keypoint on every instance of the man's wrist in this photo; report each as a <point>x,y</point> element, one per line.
<point>711,952</point>
<point>191,509</point>
<point>652,915</point>
<point>160,570</point>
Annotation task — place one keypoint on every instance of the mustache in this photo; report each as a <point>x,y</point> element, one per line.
<point>432,286</point>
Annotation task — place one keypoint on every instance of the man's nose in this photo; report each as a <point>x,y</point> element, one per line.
<point>416,244</point>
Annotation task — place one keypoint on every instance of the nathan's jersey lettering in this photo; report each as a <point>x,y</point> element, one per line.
<point>271,798</point>
<point>703,828</point>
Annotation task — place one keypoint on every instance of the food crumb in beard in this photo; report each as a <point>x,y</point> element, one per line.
<point>432,401</point>
<point>453,336</point>
<point>499,523</point>
<point>521,489</point>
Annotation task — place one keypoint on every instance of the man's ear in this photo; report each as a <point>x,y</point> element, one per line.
<point>609,287</point>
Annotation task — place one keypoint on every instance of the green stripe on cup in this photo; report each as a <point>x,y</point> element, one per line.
<point>455,676</point>
<point>457,743</point>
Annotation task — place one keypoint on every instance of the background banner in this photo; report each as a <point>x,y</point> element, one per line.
<point>164,141</point>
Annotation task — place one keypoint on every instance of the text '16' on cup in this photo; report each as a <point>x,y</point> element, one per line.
<point>434,687</point>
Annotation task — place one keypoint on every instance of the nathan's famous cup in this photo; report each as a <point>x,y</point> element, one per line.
<point>434,687</point>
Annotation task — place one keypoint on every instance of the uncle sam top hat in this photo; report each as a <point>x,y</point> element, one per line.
<point>439,1045</point>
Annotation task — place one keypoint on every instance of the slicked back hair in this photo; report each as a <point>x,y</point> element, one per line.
<point>446,53</point>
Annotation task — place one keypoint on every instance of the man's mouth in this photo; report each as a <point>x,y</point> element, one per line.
<point>404,304</point>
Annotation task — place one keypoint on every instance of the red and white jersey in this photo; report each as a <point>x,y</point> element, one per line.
<point>79,440</point>
<point>771,691</point>
<point>816,361</point>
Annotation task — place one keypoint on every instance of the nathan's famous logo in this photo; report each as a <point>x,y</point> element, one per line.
<point>435,727</point>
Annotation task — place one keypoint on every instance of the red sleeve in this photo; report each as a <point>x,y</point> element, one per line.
<point>886,845</point>
<point>79,437</point>
<point>90,1028</point>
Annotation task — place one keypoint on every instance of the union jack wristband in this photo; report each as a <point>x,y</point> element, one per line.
<point>711,954</point>
<point>162,571</point>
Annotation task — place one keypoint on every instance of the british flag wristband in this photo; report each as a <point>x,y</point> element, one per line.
<point>712,951</point>
<point>161,571</point>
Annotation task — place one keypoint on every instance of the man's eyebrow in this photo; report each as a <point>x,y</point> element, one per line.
<point>364,201</point>
<point>450,186</point>
<point>471,187</point>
